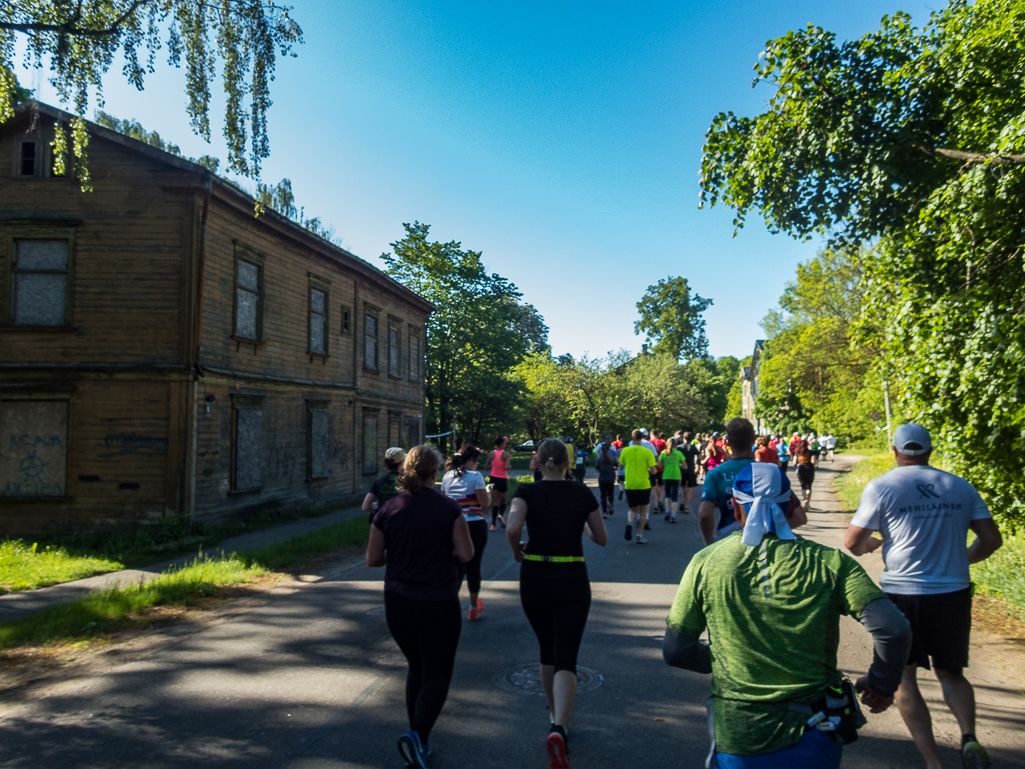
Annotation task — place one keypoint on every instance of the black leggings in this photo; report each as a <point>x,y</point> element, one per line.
<point>557,611</point>
<point>608,491</point>
<point>427,632</point>
<point>471,569</point>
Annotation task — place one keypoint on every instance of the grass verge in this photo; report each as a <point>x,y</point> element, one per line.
<point>850,485</point>
<point>26,565</point>
<point>109,611</point>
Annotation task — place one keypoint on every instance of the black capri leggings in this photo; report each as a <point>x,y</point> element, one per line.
<point>427,632</point>
<point>607,490</point>
<point>557,608</point>
<point>806,475</point>
<point>471,569</point>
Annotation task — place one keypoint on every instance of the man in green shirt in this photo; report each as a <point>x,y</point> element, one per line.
<point>640,465</point>
<point>772,602</point>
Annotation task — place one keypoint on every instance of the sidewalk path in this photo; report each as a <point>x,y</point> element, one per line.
<point>24,603</point>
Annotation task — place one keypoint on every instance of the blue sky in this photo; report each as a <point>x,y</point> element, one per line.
<point>563,140</point>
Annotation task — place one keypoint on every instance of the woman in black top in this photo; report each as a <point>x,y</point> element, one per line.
<point>554,587</point>
<point>418,535</point>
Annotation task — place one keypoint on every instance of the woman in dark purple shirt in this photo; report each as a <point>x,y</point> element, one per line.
<point>418,536</point>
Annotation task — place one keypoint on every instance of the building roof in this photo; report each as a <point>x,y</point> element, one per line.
<point>231,191</point>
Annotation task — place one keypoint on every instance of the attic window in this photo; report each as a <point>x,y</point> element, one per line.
<point>27,158</point>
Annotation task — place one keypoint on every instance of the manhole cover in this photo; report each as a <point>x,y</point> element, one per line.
<point>524,679</point>
<point>378,612</point>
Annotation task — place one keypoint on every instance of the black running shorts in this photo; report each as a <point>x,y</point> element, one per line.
<point>941,628</point>
<point>806,475</point>
<point>500,484</point>
<point>656,479</point>
<point>690,479</point>
<point>638,497</point>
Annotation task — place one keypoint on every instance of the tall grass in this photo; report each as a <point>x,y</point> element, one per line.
<point>27,567</point>
<point>850,485</point>
<point>1003,573</point>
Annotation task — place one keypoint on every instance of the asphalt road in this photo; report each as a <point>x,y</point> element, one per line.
<point>311,679</point>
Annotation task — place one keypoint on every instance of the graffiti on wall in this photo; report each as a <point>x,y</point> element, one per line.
<point>33,448</point>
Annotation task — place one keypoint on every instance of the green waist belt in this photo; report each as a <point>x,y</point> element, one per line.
<point>554,558</point>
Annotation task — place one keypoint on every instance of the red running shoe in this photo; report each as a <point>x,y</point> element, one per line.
<point>474,612</point>
<point>557,750</point>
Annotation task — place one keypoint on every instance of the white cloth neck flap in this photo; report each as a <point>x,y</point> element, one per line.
<point>763,503</point>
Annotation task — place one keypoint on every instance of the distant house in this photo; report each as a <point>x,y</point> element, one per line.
<point>163,350</point>
<point>749,385</point>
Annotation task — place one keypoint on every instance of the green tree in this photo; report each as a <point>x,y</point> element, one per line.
<point>671,319</point>
<point>544,403</point>
<point>135,130</point>
<point>910,138</point>
<point>475,338</point>
<point>78,41</point>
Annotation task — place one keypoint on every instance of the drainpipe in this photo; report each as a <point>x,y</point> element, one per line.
<point>197,330</point>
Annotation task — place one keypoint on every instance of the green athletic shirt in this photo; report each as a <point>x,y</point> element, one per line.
<point>773,619</point>
<point>671,464</point>
<point>637,459</point>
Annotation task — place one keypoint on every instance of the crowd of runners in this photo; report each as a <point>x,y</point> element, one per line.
<point>770,600</point>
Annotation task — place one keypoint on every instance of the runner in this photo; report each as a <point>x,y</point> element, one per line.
<point>554,587</point>
<point>465,485</point>
<point>715,515</point>
<point>572,451</point>
<point>658,491</point>
<point>815,447</point>
<point>783,451</point>
<point>805,469</point>
<point>499,465</point>
<point>671,460</point>
<point>607,461</point>
<point>771,602</point>
<point>640,465</point>
<point>580,470</point>
<point>765,453</point>
<point>386,487</point>
<point>924,516</point>
<point>715,455</point>
<point>689,478</point>
<point>414,536</point>
<point>829,445</point>
<point>535,468</point>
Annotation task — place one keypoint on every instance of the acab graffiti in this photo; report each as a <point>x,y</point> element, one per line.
<point>29,473</point>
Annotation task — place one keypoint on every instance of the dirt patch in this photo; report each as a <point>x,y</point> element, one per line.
<point>994,616</point>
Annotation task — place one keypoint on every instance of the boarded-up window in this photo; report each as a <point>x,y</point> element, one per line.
<point>33,449</point>
<point>414,353</point>
<point>248,445</point>
<point>369,442</point>
<point>318,321</point>
<point>248,310</point>
<point>370,341</point>
<point>317,439</point>
<point>40,285</point>
<point>393,349</point>
<point>394,421</point>
<point>413,430</point>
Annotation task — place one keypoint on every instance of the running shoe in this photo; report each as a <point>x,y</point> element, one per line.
<point>672,519</point>
<point>641,540</point>
<point>647,525</point>
<point>414,754</point>
<point>629,532</point>
<point>620,495</point>
<point>501,520</point>
<point>974,756</point>
<point>474,612</point>
<point>493,527</point>
<point>557,749</point>
<point>667,516</point>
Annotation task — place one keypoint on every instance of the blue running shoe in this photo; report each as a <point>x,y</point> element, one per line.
<point>414,753</point>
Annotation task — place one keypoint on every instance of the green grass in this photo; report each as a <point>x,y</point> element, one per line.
<point>1003,573</point>
<point>106,611</point>
<point>27,567</point>
<point>850,485</point>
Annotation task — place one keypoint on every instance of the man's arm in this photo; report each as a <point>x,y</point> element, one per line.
<point>891,641</point>
<point>682,651</point>
<point>706,520</point>
<point>860,541</point>
<point>987,540</point>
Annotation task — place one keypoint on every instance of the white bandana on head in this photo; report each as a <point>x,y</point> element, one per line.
<point>767,493</point>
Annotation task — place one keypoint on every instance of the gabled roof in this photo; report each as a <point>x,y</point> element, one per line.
<point>230,191</point>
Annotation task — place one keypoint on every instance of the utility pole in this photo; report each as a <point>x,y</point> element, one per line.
<point>886,400</point>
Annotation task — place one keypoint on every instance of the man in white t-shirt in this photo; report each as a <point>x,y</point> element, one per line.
<point>924,515</point>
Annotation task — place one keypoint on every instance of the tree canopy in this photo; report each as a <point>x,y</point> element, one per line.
<point>910,140</point>
<point>475,338</point>
<point>672,320</point>
<point>78,41</point>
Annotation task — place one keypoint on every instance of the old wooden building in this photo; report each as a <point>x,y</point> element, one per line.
<point>163,350</point>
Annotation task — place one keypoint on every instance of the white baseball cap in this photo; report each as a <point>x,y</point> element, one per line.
<point>912,440</point>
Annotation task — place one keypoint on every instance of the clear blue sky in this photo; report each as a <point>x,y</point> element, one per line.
<point>561,139</point>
